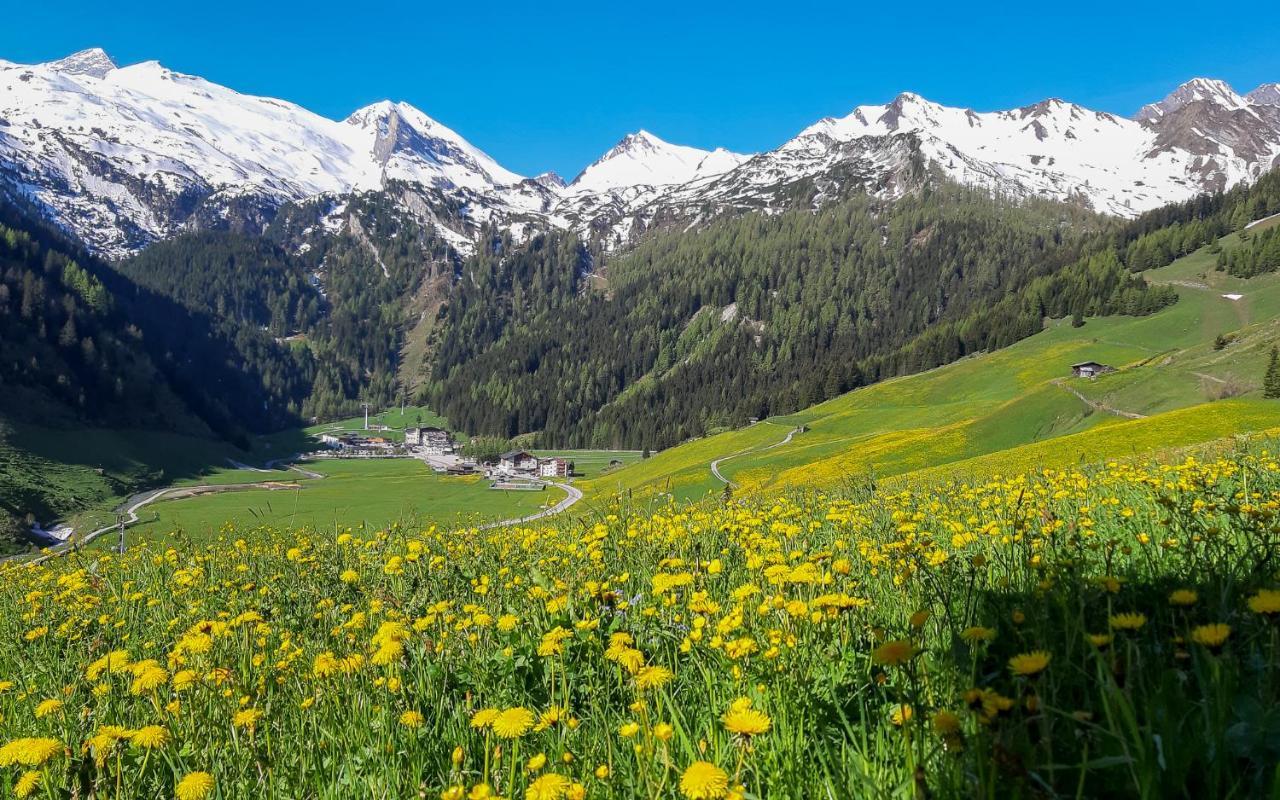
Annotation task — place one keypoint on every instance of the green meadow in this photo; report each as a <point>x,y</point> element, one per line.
<point>353,493</point>
<point>1021,399</point>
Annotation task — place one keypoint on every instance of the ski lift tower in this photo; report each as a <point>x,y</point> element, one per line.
<point>365,406</point>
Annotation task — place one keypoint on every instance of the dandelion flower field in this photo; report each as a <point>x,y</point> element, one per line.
<point>1088,633</point>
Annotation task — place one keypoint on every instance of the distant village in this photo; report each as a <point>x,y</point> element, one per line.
<point>515,469</point>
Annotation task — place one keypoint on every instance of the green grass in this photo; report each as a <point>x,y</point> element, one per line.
<point>394,418</point>
<point>593,463</point>
<point>1015,397</point>
<point>373,492</point>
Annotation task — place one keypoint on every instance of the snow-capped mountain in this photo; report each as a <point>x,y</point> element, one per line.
<point>123,156</point>
<point>126,155</point>
<point>642,159</point>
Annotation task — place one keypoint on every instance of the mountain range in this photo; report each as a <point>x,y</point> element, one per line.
<point>125,156</point>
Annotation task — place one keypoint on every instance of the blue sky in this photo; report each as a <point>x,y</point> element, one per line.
<point>553,85</point>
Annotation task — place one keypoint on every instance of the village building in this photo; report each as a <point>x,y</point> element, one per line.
<point>1090,369</point>
<point>431,441</point>
<point>555,468</point>
<point>518,461</point>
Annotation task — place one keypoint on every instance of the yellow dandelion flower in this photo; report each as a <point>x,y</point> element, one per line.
<point>663,732</point>
<point>1266,601</point>
<point>513,723</point>
<point>744,720</point>
<point>48,707</point>
<point>551,786</point>
<point>26,784</point>
<point>628,730</point>
<point>894,653</point>
<point>412,719</point>
<point>195,786</point>
<point>29,752</point>
<point>653,677</point>
<point>945,723</point>
<point>1211,636</point>
<point>1183,597</point>
<point>150,737</point>
<point>484,718</point>
<point>977,633</point>
<point>1129,621</point>
<point>703,780</point>
<point>1101,640</point>
<point>247,718</point>
<point>1029,664</point>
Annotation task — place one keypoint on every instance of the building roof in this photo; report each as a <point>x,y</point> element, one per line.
<point>512,455</point>
<point>1087,364</point>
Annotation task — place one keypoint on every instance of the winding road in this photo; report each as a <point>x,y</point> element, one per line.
<point>130,507</point>
<point>715,465</point>
<point>1094,404</point>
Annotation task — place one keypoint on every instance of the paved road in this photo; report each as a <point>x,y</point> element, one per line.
<point>572,495</point>
<point>715,465</point>
<point>130,507</point>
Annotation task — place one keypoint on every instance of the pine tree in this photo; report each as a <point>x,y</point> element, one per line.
<point>1271,383</point>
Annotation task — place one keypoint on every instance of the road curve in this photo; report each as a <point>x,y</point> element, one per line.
<point>715,465</point>
<point>572,495</point>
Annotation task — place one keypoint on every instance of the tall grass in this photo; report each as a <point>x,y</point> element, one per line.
<point>1041,635</point>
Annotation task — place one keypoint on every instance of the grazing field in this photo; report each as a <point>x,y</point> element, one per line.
<point>1107,631</point>
<point>1017,396</point>
<point>593,463</point>
<point>393,418</point>
<point>354,493</point>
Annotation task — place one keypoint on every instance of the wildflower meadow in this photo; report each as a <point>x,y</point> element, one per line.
<point>1110,631</point>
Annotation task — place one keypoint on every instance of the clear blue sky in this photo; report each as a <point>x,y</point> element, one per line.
<point>552,85</point>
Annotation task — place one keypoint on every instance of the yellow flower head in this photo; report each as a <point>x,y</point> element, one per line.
<point>151,737</point>
<point>1211,636</point>
<point>893,653</point>
<point>1183,597</point>
<point>743,720</point>
<point>653,677</point>
<point>703,780</point>
<point>48,707</point>
<point>1266,601</point>
<point>977,633</point>
<point>195,786</point>
<point>484,718</point>
<point>513,723</point>
<point>412,719</point>
<point>26,784</point>
<point>1129,621</point>
<point>551,786</point>
<point>1029,664</point>
<point>29,752</point>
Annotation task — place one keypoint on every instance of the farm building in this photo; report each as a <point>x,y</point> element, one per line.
<point>1090,369</point>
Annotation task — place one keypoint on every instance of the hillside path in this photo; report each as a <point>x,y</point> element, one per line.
<point>1094,404</point>
<point>715,465</point>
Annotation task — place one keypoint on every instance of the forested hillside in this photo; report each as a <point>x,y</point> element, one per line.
<point>756,315</point>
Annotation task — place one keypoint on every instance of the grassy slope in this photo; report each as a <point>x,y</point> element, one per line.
<point>372,491</point>
<point>1016,397</point>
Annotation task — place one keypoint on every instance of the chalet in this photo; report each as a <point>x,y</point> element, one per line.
<point>1090,369</point>
<point>331,440</point>
<point>555,468</point>
<point>517,461</point>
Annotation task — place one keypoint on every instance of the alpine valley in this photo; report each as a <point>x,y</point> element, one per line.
<point>256,265</point>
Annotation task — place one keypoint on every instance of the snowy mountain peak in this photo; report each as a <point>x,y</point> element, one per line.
<point>93,62</point>
<point>1208,90</point>
<point>1268,94</point>
<point>411,146</point>
<point>642,159</point>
